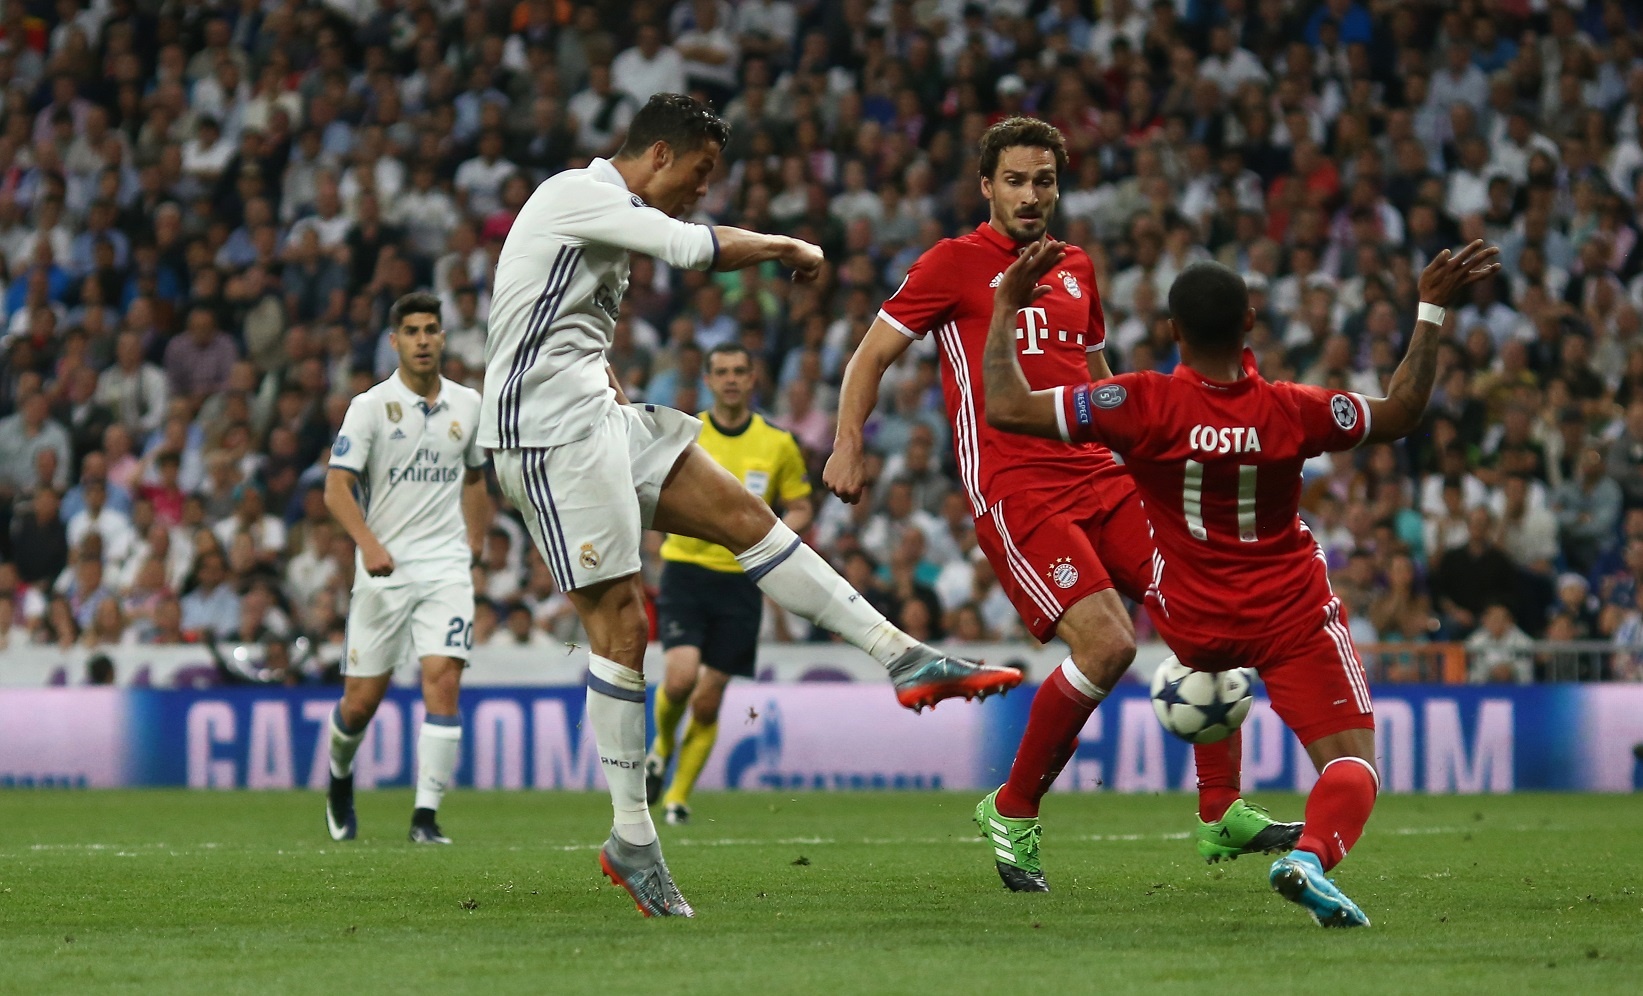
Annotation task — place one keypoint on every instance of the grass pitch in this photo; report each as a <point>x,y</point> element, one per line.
<point>181,892</point>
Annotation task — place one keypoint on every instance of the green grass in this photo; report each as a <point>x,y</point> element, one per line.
<point>179,892</point>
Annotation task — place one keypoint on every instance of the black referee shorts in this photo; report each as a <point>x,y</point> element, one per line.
<point>717,613</point>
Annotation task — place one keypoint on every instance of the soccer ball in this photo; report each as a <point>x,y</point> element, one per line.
<point>1199,706</point>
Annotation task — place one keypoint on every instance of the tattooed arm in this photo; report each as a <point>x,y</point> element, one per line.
<point>1401,411</point>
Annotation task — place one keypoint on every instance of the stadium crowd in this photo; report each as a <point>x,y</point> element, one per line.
<point>207,208</point>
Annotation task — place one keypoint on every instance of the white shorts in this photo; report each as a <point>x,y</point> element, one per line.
<point>587,502</point>
<point>389,626</point>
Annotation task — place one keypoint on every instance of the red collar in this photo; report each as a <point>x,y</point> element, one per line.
<point>992,236</point>
<point>1252,376</point>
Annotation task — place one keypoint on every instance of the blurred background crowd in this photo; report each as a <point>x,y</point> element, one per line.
<point>206,209</point>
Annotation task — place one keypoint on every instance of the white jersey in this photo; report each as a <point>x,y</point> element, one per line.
<point>411,461</point>
<point>561,276</point>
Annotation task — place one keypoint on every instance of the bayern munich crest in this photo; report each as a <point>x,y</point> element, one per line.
<point>1063,573</point>
<point>1071,283</point>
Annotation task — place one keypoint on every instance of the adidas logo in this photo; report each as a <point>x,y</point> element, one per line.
<point>997,280</point>
<point>398,434</point>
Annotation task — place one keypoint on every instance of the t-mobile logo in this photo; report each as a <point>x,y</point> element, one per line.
<point>1035,331</point>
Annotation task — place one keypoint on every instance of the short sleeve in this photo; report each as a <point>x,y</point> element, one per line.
<point>475,455</point>
<point>1331,420</point>
<point>1106,412</point>
<point>792,479</point>
<point>352,448</point>
<point>1097,338</point>
<point>605,214</point>
<point>924,298</point>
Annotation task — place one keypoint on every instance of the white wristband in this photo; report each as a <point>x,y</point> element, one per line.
<point>1429,313</point>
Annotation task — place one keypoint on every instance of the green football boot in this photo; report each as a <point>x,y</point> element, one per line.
<point>1015,846</point>
<point>1245,829</point>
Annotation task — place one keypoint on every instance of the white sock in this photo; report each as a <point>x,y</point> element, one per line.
<point>800,581</point>
<point>437,749</point>
<point>616,709</point>
<point>344,745</point>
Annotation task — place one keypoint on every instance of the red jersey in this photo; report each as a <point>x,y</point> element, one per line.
<point>1219,469</point>
<point>949,291</point>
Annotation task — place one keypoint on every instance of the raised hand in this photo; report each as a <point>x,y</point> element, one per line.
<point>1450,271</point>
<point>1019,287</point>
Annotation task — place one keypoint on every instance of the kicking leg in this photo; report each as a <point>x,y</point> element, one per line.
<point>360,699</point>
<point>672,698</point>
<point>700,734</point>
<point>701,499</point>
<point>438,746</point>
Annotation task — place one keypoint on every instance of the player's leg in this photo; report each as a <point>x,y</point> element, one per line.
<point>442,634</point>
<point>681,613</point>
<point>1321,692</point>
<point>697,745</point>
<point>438,745</point>
<point>1227,825</point>
<point>587,528</point>
<point>1048,567</point>
<point>682,663</point>
<point>701,499</point>
<point>377,641</point>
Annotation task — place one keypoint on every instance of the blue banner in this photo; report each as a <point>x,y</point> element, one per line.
<point>1434,739</point>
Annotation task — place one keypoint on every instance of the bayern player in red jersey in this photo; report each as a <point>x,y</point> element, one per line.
<point>1062,527</point>
<point>1237,580</point>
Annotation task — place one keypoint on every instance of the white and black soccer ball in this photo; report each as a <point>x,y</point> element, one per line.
<point>1199,706</point>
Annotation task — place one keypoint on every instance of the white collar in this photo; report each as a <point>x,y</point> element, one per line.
<point>602,169</point>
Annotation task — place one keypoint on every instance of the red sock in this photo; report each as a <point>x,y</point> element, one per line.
<point>1218,766</point>
<point>1338,808</point>
<point>1059,711</point>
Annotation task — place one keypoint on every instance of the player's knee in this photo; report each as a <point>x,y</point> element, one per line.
<point>1104,658</point>
<point>704,705</point>
<point>745,524</point>
<point>357,708</point>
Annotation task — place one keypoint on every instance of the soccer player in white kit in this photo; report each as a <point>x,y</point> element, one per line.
<point>589,472</point>
<point>410,445</point>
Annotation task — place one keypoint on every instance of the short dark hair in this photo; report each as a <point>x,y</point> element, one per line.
<point>415,303</point>
<point>1011,132</point>
<point>1208,302</point>
<point>682,122</point>
<point>722,348</point>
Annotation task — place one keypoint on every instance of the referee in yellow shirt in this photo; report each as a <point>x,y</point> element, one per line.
<point>708,612</point>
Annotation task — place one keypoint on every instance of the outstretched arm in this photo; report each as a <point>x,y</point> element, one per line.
<point>1400,412</point>
<point>740,249</point>
<point>1011,404</point>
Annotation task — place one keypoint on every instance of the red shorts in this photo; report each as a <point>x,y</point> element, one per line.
<point>1311,670</point>
<point>1052,548</point>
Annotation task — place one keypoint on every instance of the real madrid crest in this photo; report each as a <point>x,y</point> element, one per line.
<point>395,413</point>
<point>456,430</point>
<point>589,558</point>
<point>1063,573</point>
<point>1071,283</point>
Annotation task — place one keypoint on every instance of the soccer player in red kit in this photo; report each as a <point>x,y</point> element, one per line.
<point>1216,454</point>
<point>1062,527</point>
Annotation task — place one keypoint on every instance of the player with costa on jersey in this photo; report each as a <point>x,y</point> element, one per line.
<point>1216,453</point>
<point>1062,528</point>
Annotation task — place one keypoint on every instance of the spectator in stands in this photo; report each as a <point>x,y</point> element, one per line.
<point>210,607</point>
<point>1588,511</point>
<point>39,539</point>
<point>1472,577</point>
<point>1499,652</point>
<point>24,435</point>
